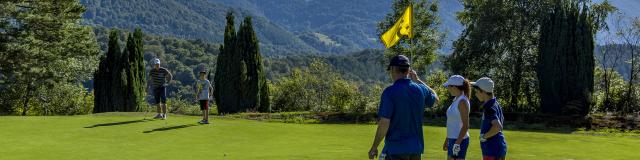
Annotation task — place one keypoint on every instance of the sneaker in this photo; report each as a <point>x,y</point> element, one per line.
<point>164,117</point>
<point>201,122</point>
<point>205,122</point>
<point>158,116</point>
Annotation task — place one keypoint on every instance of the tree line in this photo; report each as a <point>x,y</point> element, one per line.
<point>542,52</point>
<point>542,56</point>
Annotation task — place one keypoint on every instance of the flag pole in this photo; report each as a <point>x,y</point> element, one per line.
<point>412,54</point>
<point>410,38</point>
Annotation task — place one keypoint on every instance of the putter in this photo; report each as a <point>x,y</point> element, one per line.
<point>147,109</point>
<point>146,112</point>
<point>149,100</point>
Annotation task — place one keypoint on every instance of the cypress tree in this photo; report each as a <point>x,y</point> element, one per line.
<point>104,76</point>
<point>227,71</point>
<point>244,47</point>
<point>240,82</point>
<point>120,79</point>
<point>129,70</point>
<point>141,71</point>
<point>566,63</point>
<point>113,82</point>
<point>135,72</point>
<point>255,86</point>
<point>101,88</point>
<point>217,77</point>
<point>99,98</point>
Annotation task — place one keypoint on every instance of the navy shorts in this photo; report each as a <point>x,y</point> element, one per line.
<point>463,148</point>
<point>403,157</point>
<point>160,95</point>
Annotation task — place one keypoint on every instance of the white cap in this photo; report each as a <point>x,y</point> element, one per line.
<point>455,80</point>
<point>156,61</point>
<point>484,83</point>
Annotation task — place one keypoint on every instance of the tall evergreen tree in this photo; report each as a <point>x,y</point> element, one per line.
<point>120,79</point>
<point>102,76</point>
<point>240,82</point>
<point>217,77</point>
<point>100,99</point>
<point>141,75</point>
<point>255,90</point>
<point>228,72</point>
<point>112,80</point>
<point>566,63</point>
<point>135,70</point>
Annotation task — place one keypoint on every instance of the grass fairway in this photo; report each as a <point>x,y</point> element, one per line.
<point>127,136</point>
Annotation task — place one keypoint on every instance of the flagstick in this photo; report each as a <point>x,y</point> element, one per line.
<point>410,38</point>
<point>412,54</point>
<point>411,48</point>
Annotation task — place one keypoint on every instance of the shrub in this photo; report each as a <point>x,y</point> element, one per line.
<point>61,99</point>
<point>316,88</point>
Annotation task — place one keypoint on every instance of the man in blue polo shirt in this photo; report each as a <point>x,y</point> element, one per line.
<point>400,113</point>
<point>492,142</point>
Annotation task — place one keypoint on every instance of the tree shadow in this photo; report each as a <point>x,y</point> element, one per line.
<point>168,128</point>
<point>119,123</point>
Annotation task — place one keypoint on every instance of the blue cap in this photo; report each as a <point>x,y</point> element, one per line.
<point>399,60</point>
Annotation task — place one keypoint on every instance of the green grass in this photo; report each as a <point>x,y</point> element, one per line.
<point>127,136</point>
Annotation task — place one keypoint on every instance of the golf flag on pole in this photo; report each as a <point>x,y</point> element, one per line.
<point>403,27</point>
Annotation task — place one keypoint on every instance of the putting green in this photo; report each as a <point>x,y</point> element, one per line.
<point>128,136</point>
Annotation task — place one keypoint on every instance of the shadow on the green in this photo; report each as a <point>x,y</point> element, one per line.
<point>168,128</point>
<point>511,126</point>
<point>119,123</point>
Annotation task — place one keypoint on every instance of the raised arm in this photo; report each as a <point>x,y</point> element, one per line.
<point>414,77</point>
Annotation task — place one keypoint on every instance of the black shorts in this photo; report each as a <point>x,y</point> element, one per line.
<point>204,105</point>
<point>160,95</point>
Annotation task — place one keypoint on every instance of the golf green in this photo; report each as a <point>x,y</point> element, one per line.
<point>128,136</point>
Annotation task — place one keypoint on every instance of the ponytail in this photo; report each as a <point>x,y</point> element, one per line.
<point>465,88</point>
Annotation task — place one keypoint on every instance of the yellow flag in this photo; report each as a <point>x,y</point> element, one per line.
<point>403,27</point>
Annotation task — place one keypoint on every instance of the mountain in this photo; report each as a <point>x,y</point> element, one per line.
<point>336,25</point>
<point>627,9</point>
<point>188,19</point>
<point>284,27</point>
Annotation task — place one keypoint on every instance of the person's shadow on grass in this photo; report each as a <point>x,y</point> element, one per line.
<point>119,123</point>
<point>170,128</point>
